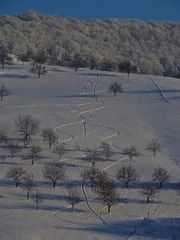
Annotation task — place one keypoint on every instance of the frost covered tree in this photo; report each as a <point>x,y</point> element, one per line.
<point>4,56</point>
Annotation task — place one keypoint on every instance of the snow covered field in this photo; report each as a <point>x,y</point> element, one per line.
<point>65,100</point>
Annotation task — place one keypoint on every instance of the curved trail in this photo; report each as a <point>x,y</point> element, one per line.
<point>81,119</point>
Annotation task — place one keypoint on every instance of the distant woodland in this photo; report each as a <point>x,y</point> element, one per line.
<point>112,44</point>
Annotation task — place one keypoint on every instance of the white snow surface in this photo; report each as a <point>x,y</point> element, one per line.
<point>65,101</point>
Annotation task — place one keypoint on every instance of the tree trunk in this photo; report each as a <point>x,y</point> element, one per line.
<point>39,75</point>
<point>50,144</point>
<point>147,200</point>
<point>109,209</point>
<point>37,206</point>
<point>32,161</point>
<point>127,185</point>
<point>16,184</point>
<point>28,195</point>
<point>160,185</point>
<point>54,184</point>
<point>154,153</point>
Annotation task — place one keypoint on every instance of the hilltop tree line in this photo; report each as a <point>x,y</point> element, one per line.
<point>113,44</point>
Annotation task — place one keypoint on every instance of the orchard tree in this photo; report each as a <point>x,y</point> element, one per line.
<point>93,156</point>
<point>91,175</point>
<point>17,174</point>
<point>39,70</point>
<point>33,154</point>
<point>4,56</point>
<point>3,92</point>
<point>54,173</point>
<point>28,184</point>
<point>60,150</point>
<point>49,136</point>
<point>127,174</point>
<point>73,198</point>
<point>109,194</point>
<point>115,87</point>
<point>37,199</point>
<point>149,191</point>
<point>13,148</point>
<point>131,152</point>
<point>160,175</point>
<point>3,136</point>
<point>27,126</point>
<point>154,146</point>
<point>106,150</point>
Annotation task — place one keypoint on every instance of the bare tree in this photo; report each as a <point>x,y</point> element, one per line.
<point>4,56</point>
<point>38,199</point>
<point>101,182</point>
<point>91,174</point>
<point>127,174</point>
<point>28,184</point>
<point>160,175</point>
<point>60,150</point>
<point>3,91</point>
<point>154,146</point>
<point>73,198</point>
<point>50,136</point>
<point>54,173</point>
<point>109,194</point>
<point>115,87</point>
<point>93,156</point>
<point>33,154</point>
<point>105,150</point>
<point>149,191</point>
<point>27,126</point>
<point>39,70</point>
<point>131,152</point>
<point>13,148</point>
<point>3,136</point>
<point>76,147</point>
<point>17,174</point>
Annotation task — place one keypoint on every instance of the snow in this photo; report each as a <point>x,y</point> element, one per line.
<point>65,100</point>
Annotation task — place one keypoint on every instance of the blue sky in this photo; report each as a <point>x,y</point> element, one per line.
<point>86,9</point>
